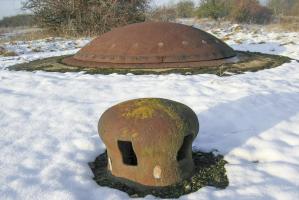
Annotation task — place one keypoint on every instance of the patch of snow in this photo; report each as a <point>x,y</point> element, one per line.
<point>38,49</point>
<point>48,124</point>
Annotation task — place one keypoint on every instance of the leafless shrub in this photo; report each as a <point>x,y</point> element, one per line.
<point>6,53</point>
<point>86,17</point>
<point>250,11</point>
<point>185,9</point>
<point>163,13</point>
<point>243,11</point>
<point>284,7</point>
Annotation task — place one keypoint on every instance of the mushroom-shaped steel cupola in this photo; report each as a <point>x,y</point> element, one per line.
<point>149,141</point>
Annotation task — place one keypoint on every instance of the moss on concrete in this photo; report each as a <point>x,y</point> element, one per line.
<point>209,171</point>
<point>250,61</point>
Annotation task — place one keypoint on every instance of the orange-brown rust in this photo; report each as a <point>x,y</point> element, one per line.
<point>158,131</point>
<point>154,44</point>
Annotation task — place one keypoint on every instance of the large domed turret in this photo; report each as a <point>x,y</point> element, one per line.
<point>152,44</point>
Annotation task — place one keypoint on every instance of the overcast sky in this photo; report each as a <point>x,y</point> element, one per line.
<point>13,7</point>
<point>9,7</point>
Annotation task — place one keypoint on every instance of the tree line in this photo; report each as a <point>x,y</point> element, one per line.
<point>241,11</point>
<point>93,17</point>
<point>86,17</point>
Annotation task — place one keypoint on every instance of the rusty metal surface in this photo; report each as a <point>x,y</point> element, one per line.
<point>160,131</point>
<point>153,43</point>
<point>71,61</point>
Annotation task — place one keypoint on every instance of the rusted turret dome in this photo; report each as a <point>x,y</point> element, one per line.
<point>149,141</point>
<point>152,44</point>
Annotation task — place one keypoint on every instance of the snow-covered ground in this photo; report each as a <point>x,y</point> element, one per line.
<point>48,121</point>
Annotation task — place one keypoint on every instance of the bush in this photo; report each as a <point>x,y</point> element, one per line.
<point>250,11</point>
<point>284,7</point>
<point>164,14</point>
<point>214,8</point>
<point>16,21</point>
<point>88,17</point>
<point>295,9</point>
<point>6,53</point>
<point>242,11</point>
<point>185,9</point>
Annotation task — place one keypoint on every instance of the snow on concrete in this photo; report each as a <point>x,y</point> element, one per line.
<point>48,125</point>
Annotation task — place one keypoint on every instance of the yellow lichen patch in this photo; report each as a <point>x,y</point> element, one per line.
<point>140,109</point>
<point>135,135</point>
<point>146,108</point>
<point>142,112</point>
<point>126,133</point>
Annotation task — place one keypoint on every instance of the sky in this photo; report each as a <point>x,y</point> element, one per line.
<point>10,7</point>
<point>13,7</point>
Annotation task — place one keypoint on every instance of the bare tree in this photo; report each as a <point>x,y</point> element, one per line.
<point>284,7</point>
<point>185,8</point>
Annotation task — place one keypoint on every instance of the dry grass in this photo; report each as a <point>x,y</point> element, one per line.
<point>285,23</point>
<point>28,34</point>
<point>6,53</point>
<point>10,54</point>
<point>2,50</point>
<point>293,27</point>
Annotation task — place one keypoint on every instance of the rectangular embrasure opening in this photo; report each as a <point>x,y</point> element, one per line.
<point>127,152</point>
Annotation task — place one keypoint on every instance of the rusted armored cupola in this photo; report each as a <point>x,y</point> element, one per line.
<point>153,45</point>
<point>157,48</point>
<point>149,141</point>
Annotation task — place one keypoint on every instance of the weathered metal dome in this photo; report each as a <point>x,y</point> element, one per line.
<point>149,141</point>
<point>152,44</point>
